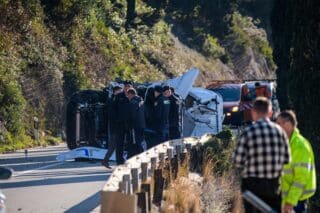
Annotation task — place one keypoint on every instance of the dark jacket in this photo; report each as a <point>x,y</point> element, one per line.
<point>174,114</point>
<point>111,112</point>
<point>120,108</point>
<point>136,113</point>
<point>160,118</point>
<point>148,107</point>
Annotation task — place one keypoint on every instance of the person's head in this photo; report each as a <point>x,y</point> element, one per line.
<point>127,86</point>
<point>131,93</point>
<point>116,90</point>
<point>245,89</point>
<point>288,121</point>
<point>157,90</point>
<point>166,91</point>
<point>262,108</point>
<point>257,84</point>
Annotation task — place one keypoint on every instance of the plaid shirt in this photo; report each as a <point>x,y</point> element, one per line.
<point>262,150</point>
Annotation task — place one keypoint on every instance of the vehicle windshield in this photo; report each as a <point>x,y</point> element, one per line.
<point>228,93</point>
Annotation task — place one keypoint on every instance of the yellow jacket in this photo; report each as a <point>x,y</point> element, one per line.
<point>298,182</point>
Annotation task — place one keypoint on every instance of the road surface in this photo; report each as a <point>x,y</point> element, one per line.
<point>42,184</point>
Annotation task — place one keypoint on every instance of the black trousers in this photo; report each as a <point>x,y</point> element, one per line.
<point>301,207</point>
<point>266,189</point>
<point>135,145</point>
<point>120,133</point>
<point>174,133</point>
<point>112,144</point>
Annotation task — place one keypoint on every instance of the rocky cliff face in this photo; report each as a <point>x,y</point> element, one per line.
<point>251,65</point>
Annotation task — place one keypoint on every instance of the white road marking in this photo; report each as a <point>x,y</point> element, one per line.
<point>40,168</point>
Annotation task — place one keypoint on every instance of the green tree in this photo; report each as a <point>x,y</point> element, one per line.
<point>296,38</point>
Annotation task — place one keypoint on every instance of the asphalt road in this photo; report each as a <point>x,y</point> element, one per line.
<point>42,184</point>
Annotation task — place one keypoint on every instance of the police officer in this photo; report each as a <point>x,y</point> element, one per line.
<point>174,113</point>
<point>160,118</point>
<point>136,123</point>
<point>121,106</point>
<point>112,125</point>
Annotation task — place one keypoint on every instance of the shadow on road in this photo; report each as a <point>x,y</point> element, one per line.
<point>55,181</point>
<point>32,163</point>
<point>86,205</point>
<point>36,159</point>
<point>57,174</point>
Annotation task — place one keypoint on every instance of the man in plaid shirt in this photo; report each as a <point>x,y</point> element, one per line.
<point>260,154</point>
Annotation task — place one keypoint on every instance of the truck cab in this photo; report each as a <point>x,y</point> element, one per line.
<point>231,95</point>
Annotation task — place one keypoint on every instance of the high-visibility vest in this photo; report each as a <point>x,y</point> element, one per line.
<point>298,181</point>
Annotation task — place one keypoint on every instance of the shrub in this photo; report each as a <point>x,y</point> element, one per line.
<point>219,148</point>
<point>12,105</point>
<point>211,47</point>
<point>11,143</point>
<point>244,33</point>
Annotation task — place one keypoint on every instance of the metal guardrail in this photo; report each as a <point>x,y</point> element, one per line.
<point>257,203</point>
<point>129,188</point>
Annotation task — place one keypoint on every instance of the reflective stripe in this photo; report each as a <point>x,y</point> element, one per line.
<point>308,166</point>
<point>298,185</point>
<point>307,192</point>
<point>288,171</point>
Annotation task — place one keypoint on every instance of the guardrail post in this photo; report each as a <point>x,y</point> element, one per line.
<point>122,187</point>
<point>170,153</point>
<point>153,164</point>
<point>161,159</point>
<point>127,185</point>
<point>146,187</point>
<point>144,172</point>
<point>178,149</point>
<point>135,179</point>
<point>158,187</point>
<point>161,156</point>
<point>143,202</point>
<point>188,147</point>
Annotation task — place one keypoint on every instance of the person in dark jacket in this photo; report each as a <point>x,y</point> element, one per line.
<point>111,125</point>
<point>174,113</point>
<point>149,102</point>
<point>136,123</point>
<point>121,106</point>
<point>160,118</point>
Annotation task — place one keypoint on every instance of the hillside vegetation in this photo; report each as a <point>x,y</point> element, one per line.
<point>50,49</point>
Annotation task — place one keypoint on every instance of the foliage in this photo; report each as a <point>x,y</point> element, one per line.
<point>12,105</point>
<point>11,143</point>
<point>51,49</point>
<point>212,48</point>
<point>219,148</point>
<point>296,51</point>
<point>244,33</point>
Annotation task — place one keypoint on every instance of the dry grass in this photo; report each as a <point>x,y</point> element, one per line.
<point>208,167</point>
<point>215,190</point>
<point>220,193</point>
<point>237,202</point>
<point>183,196</point>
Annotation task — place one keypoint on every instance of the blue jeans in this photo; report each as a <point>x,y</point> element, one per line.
<point>301,207</point>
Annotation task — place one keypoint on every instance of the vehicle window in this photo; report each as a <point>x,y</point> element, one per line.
<point>228,94</point>
<point>253,93</point>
